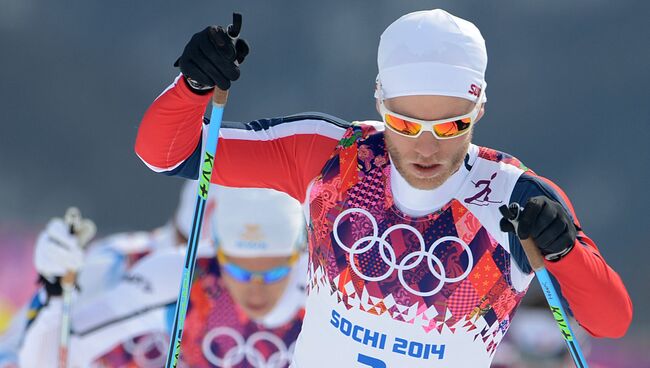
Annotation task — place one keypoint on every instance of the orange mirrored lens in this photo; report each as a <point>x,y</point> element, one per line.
<point>452,128</point>
<point>403,126</point>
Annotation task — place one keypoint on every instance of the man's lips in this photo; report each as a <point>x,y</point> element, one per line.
<point>426,170</point>
<point>256,307</point>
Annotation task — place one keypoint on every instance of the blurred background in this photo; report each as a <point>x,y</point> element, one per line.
<point>568,95</point>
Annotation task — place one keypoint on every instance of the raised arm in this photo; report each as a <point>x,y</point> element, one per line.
<point>280,153</point>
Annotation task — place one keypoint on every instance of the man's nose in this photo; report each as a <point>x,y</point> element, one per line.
<point>426,145</point>
<point>256,289</point>
<point>257,280</point>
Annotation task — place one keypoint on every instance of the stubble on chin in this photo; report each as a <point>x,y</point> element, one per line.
<point>425,183</point>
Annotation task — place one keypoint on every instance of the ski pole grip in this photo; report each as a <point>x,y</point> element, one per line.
<point>68,279</point>
<point>512,213</point>
<point>220,97</point>
<point>532,253</point>
<point>72,218</point>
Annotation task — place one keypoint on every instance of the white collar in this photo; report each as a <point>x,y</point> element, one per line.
<point>417,202</point>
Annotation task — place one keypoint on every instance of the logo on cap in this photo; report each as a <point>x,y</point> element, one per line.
<point>474,90</point>
<point>252,233</point>
<point>252,237</point>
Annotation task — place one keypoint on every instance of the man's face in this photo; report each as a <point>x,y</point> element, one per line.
<point>255,297</point>
<point>426,162</point>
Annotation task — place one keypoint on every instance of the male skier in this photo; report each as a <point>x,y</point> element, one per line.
<point>247,299</point>
<point>100,267</point>
<point>409,265</point>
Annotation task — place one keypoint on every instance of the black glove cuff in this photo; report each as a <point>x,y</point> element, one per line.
<point>554,257</point>
<point>197,87</point>
<point>52,288</point>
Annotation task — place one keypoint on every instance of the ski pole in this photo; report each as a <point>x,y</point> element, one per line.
<point>73,219</point>
<point>219,100</point>
<point>536,261</point>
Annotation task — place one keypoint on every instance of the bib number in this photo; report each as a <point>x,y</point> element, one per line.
<point>370,361</point>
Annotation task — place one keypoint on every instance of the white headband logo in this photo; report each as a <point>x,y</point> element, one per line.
<point>252,233</point>
<point>252,238</point>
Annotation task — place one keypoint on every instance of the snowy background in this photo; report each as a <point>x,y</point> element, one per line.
<point>568,94</point>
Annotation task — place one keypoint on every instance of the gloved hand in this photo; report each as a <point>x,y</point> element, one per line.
<point>212,58</point>
<point>548,223</point>
<point>59,250</point>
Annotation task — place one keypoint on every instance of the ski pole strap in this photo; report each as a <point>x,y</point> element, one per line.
<point>72,218</point>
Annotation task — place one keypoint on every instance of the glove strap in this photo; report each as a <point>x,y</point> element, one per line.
<point>197,87</point>
<point>554,257</point>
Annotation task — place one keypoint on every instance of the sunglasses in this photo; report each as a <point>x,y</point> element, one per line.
<point>267,277</point>
<point>442,129</point>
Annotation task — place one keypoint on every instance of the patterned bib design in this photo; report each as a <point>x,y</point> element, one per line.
<point>441,273</point>
<point>217,333</point>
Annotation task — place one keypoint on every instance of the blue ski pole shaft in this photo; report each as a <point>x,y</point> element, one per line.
<point>555,303</point>
<point>536,261</point>
<point>218,103</point>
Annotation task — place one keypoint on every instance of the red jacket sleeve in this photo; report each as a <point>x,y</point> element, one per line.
<point>285,153</point>
<point>594,291</point>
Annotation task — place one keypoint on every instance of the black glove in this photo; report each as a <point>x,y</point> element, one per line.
<point>548,223</point>
<point>54,288</point>
<point>51,288</point>
<point>212,58</point>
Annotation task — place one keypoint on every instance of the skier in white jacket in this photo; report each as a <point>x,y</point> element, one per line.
<point>246,301</point>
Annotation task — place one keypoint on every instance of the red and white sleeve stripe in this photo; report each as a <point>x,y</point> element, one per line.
<point>284,153</point>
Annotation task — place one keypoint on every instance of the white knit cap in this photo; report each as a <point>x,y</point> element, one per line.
<point>431,52</point>
<point>187,204</point>
<point>256,222</point>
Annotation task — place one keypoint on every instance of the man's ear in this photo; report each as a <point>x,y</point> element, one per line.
<point>377,94</point>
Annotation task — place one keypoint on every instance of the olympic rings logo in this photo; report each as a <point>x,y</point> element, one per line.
<point>366,243</point>
<point>245,349</point>
<point>141,349</point>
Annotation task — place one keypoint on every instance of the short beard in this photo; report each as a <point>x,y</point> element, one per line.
<point>426,183</point>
